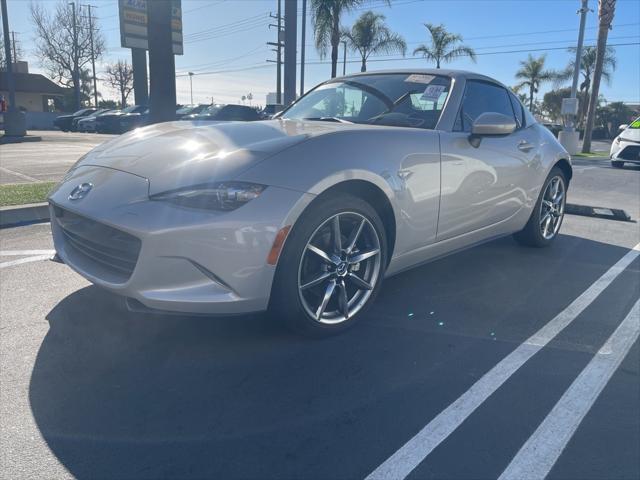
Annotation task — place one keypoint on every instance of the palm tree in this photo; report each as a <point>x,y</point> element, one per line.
<point>444,46</point>
<point>370,35</point>
<point>606,10</point>
<point>533,74</point>
<point>587,67</point>
<point>325,15</point>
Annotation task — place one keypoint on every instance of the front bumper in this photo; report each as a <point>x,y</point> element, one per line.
<point>625,151</point>
<point>188,261</point>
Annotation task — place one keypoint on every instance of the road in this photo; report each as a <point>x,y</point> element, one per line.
<point>462,369</point>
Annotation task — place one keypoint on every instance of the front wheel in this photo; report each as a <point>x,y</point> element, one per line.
<point>331,267</point>
<point>545,221</point>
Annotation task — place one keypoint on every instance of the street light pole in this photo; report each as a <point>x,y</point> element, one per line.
<point>344,59</point>
<point>302,46</point>
<point>569,137</point>
<point>76,68</point>
<point>93,57</point>
<point>14,119</point>
<point>191,74</point>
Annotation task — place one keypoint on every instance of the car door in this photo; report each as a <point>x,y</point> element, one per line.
<point>486,184</point>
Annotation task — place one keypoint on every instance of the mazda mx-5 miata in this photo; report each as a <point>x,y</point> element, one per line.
<point>361,178</point>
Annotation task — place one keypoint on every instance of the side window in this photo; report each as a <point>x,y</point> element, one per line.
<point>226,113</point>
<point>518,109</point>
<point>247,114</point>
<point>480,97</point>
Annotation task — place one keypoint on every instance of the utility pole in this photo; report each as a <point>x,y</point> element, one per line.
<point>76,68</point>
<point>14,119</point>
<point>569,137</point>
<point>93,57</point>
<point>191,74</point>
<point>302,45</point>
<point>290,48</point>
<point>13,46</point>
<point>344,59</point>
<point>278,44</point>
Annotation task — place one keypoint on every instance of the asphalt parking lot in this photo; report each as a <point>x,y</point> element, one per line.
<point>47,160</point>
<point>482,364</point>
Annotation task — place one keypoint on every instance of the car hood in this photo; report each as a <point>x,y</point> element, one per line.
<point>632,134</point>
<point>180,154</point>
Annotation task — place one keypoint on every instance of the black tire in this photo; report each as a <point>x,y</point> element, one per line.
<point>617,164</point>
<point>286,304</point>
<point>531,235</point>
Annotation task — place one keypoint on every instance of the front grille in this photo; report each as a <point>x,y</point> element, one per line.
<point>103,246</point>
<point>630,152</point>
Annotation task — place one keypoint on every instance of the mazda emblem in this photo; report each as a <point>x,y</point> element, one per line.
<point>80,191</point>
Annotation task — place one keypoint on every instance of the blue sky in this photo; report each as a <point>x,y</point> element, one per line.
<point>225,41</point>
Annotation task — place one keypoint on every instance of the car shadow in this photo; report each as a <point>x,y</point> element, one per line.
<point>121,395</point>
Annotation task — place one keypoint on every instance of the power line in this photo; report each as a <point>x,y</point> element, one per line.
<point>377,60</point>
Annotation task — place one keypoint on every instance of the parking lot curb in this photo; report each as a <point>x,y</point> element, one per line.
<point>16,215</point>
<point>4,139</point>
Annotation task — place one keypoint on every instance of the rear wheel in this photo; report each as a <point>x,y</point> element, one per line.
<point>331,267</point>
<point>617,164</point>
<point>545,221</point>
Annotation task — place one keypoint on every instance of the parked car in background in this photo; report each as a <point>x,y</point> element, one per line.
<point>110,122</point>
<point>626,146</point>
<point>555,128</point>
<point>65,122</point>
<point>226,113</point>
<point>307,213</point>
<point>132,120</point>
<point>87,123</point>
<point>190,110</point>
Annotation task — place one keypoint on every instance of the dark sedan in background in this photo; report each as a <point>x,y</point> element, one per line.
<point>65,122</point>
<point>115,121</point>
<point>226,113</point>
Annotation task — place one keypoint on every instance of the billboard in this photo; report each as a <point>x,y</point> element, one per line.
<point>133,24</point>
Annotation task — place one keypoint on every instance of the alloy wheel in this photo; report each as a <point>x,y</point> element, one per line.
<point>339,268</point>
<point>552,208</point>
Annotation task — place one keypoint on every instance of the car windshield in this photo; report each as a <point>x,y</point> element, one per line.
<point>401,100</point>
<point>213,109</point>
<point>186,109</point>
<point>81,112</point>
<point>131,109</point>
<point>635,124</point>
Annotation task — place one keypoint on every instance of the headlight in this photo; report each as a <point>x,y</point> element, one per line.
<point>217,196</point>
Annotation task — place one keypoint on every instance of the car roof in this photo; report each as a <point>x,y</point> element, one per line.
<point>455,74</point>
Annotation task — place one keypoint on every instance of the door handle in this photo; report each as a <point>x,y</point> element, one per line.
<point>525,146</point>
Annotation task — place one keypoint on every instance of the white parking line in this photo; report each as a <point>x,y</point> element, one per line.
<point>412,453</point>
<point>538,455</point>
<point>18,174</point>
<point>19,253</point>
<point>20,261</point>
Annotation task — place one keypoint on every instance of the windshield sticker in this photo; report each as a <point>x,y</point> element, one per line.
<point>433,92</point>
<point>420,78</point>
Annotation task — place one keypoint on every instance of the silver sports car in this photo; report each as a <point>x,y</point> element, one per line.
<point>361,178</point>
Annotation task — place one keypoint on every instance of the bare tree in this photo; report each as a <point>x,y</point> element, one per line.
<point>119,76</point>
<point>62,47</point>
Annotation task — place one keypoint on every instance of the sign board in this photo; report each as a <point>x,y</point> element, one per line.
<point>133,24</point>
<point>569,106</point>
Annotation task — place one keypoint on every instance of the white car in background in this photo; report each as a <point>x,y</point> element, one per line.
<point>626,146</point>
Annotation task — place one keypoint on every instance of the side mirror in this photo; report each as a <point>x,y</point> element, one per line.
<point>493,123</point>
<point>489,124</point>
<point>623,127</point>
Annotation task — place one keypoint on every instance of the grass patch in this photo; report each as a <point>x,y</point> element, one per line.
<point>21,193</point>
<point>595,154</point>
